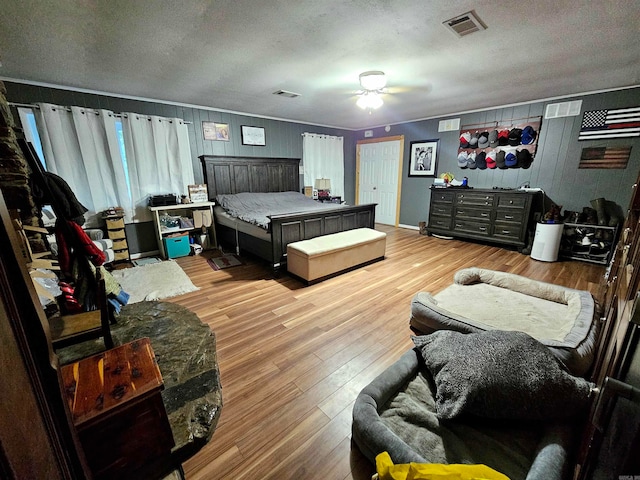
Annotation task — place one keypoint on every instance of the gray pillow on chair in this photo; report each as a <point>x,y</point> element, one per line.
<point>500,374</point>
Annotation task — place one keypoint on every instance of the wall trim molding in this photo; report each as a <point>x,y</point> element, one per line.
<point>203,107</point>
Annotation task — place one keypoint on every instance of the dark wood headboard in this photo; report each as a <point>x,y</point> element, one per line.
<point>249,174</point>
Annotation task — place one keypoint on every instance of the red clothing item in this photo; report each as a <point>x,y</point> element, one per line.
<point>95,255</point>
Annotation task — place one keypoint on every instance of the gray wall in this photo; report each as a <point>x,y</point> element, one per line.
<point>283,139</point>
<point>555,168</point>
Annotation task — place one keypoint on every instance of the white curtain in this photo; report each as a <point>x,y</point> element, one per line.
<point>80,145</point>
<point>158,159</point>
<point>323,157</point>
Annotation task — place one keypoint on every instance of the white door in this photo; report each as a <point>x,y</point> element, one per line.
<point>378,178</point>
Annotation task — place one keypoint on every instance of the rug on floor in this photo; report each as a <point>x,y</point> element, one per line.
<point>154,281</point>
<point>225,261</point>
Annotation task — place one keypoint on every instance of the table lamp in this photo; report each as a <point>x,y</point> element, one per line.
<point>323,185</point>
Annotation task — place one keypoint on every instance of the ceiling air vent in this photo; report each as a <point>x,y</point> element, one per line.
<point>286,93</point>
<point>465,24</point>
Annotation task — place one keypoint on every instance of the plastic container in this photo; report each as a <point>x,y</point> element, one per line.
<point>177,246</point>
<point>546,242</point>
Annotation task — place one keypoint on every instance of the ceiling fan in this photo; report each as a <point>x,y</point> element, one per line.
<point>373,85</point>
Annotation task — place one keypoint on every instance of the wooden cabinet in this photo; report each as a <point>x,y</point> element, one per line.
<point>611,439</point>
<point>116,232</point>
<point>115,402</point>
<point>492,215</point>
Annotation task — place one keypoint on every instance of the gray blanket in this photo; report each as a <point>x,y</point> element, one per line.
<point>396,412</point>
<point>256,208</point>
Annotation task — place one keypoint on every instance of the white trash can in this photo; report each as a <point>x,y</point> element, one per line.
<point>546,242</point>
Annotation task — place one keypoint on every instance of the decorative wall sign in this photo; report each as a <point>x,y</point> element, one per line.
<point>253,136</point>
<point>618,123</point>
<point>198,193</point>
<point>605,157</point>
<point>423,158</point>
<point>215,131</point>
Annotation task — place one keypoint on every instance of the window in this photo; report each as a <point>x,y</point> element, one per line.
<point>28,120</point>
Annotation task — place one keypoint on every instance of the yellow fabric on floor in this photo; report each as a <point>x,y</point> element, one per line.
<point>433,471</point>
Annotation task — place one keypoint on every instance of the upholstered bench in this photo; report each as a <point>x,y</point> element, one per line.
<point>315,259</point>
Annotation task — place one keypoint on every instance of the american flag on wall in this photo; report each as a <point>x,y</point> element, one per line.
<point>621,122</point>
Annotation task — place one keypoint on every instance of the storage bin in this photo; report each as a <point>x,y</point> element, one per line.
<point>114,223</point>
<point>177,246</point>
<point>120,244</point>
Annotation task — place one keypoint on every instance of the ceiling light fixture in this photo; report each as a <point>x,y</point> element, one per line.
<point>373,80</point>
<point>370,100</point>
<point>373,83</point>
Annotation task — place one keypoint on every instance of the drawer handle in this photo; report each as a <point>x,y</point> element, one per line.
<point>483,229</point>
<point>484,214</point>
<point>510,202</point>
<point>487,197</point>
<point>458,225</point>
<point>460,212</point>
<point>506,232</point>
<point>508,217</point>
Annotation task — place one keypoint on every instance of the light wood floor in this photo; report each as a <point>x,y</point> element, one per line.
<point>293,358</point>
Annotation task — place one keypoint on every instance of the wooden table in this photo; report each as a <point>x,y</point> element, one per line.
<point>114,398</point>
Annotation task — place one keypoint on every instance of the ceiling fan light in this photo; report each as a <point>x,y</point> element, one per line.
<point>373,80</point>
<point>370,100</point>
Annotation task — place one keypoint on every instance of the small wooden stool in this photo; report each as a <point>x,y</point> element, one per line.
<point>114,398</point>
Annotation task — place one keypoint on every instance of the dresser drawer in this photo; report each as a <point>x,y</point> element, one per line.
<point>446,197</point>
<point>475,198</point>
<point>512,216</point>
<point>441,209</point>
<point>518,201</point>
<point>507,232</point>
<point>473,213</point>
<point>436,221</point>
<point>474,227</point>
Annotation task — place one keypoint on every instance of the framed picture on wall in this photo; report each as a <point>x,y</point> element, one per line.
<point>423,156</point>
<point>253,136</point>
<point>215,131</point>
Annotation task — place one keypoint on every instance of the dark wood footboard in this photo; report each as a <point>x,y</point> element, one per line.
<point>290,228</point>
<point>224,174</point>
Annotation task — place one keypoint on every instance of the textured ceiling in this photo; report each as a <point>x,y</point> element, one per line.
<point>232,55</point>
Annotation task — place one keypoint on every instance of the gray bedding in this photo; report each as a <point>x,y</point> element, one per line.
<point>256,208</point>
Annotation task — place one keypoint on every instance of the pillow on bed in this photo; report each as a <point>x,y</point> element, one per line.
<point>499,374</point>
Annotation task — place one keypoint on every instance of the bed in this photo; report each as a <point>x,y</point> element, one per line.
<point>226,175</point>
<point>506,403</point>
<point>563,319</point>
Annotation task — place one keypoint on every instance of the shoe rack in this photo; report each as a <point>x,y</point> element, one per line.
<point>199,218</point>
<point>588,242</point>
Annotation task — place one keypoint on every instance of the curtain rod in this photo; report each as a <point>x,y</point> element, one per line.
<point>68,109</point>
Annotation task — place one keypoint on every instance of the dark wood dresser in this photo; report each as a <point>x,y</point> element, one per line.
<point>499,216</point>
